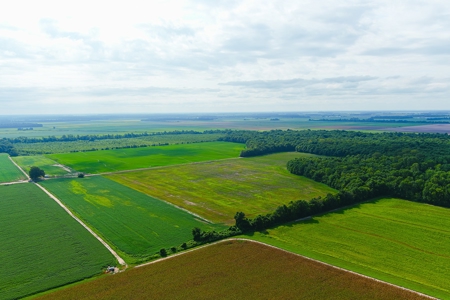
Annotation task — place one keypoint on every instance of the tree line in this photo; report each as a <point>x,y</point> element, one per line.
<point>95,137</point>
<point>361,166</point>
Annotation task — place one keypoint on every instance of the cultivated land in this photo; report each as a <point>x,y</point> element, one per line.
<point>117,125</point>
<point>136,158</point>
<point>106,144</point>
<point>394,240</point>
<point>41,246</point>
<point>8,171</point>
<point>133,223</point>
<point>234,270</point>
<point>217,190</point>
<point>50,166</point>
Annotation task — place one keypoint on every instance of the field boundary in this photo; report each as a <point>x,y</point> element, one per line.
<point>114,253</point>
<point>293,253</point>
<point>18,167</point>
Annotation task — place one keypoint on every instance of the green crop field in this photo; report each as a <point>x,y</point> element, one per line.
<point>41,246</point>
<point>233,270</point>
<point>394,240</point>
<point>217,190</point>
<point>8,171</point>
<point>106,144</point>
<point>135,224</point>
<point>136,158</point>
<point>49,166</point>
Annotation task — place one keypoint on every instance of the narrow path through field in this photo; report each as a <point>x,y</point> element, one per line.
<point>119,259</point>
<point>14,182</point>
<point>305,257</point>
<point>18,167</point>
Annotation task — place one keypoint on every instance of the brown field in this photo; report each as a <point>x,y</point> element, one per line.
<point>435,128</point>
<point>234,270</point>
<point>355,127</point>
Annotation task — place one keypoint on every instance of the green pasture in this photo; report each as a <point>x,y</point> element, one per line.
<point>48,165</point>
<point>397,241</point>
<point>217,190</point>
<point>8,171</point>
<point>136,158</point>
<point>106,144</point>
<point>133,223</point>
<point>41,246</point>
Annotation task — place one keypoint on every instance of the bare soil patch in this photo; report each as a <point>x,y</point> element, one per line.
<point>435,128</point>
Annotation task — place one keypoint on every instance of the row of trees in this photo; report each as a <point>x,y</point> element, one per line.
<point>341,143</point>
<point>95,137</point>
<point>7,147</point>
<point>360,166</point>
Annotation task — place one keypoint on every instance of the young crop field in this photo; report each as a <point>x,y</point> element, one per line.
<point>135,224</point>
<point>49,166</point>
<point>217,190</point>
<point>106,144</point>
<point>8,171</point>
<point>136,158</point>
<point>234,270</point>
<point>41,246</point>
<point>394,240</point>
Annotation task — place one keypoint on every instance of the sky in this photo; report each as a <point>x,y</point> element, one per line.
<point>79,57</point>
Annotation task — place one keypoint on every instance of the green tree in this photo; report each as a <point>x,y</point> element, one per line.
<point>163,252</point>
<point>36,172</point>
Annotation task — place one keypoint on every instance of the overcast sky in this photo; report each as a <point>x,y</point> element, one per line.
<point>223,56</point>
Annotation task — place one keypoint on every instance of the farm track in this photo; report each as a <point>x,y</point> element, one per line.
<point>114,253</point>
<point>18,167</point>
<point>296,254</point>
<point>119,259</point>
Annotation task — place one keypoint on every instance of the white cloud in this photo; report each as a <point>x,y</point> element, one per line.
<point>223,55</point>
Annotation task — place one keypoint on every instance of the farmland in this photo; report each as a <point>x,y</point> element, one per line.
<point>135,158</point>
<point>41,246</point>
<point>216,190</point>
<point>105,144</point>
<point>8,171</point>
<point>135,224</point>
<point>48,165</point>
<point>394,240</point>
<point>233,270</point>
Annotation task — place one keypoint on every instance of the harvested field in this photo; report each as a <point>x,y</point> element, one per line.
<point>234,270</point>
<point>397,241</point>
<point>217,190</point>
<point>41,246</point>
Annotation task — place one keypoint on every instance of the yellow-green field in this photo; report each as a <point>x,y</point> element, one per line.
<point>234,270</point>
<point>217,190</point>
<point>134,224</point>
<point>394,240</point>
